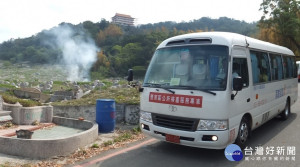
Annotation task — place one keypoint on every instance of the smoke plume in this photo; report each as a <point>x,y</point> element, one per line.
<point>79,51</point>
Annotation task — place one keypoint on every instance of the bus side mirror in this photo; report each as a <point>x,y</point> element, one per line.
<point>237,84</point>
<point>130,75</point>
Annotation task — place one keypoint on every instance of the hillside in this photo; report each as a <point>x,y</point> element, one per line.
<point>103,49</point>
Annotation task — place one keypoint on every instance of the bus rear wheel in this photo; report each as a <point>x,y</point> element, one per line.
<point>286,112</point>
<point>243,133</point>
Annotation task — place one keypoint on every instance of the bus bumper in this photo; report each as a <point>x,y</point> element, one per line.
<point>201,139</point>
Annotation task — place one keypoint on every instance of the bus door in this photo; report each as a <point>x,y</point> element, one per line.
<point>241,100</point>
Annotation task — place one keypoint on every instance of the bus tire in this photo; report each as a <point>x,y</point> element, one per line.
<point>243,133</point>
<point>284,115</point>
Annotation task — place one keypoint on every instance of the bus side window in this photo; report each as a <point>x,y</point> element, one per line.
<point>285,67</point>
<point>255,69</point>
<point>276,66</point>
<point>260,67</point>
<point>289,67</point>
<point>295,69</point>
<point>240,68</point>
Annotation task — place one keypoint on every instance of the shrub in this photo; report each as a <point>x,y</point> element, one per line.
<point>107,143</point>
<point>6,86</point>
<point>95,145</point>
<point>24,102</point>
<point>121,96</point>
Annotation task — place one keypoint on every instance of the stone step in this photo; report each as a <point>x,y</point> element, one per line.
<point>4,113</point>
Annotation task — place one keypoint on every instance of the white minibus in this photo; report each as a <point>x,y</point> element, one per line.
<point>212,89</point>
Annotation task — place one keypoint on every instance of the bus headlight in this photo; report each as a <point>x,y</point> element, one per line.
<point>212,125</point>
<point>146,116</point>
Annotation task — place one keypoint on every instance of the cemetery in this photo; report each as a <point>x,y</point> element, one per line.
<point>55,118</point>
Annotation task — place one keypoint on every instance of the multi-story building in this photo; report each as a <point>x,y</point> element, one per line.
<point>123,19</point>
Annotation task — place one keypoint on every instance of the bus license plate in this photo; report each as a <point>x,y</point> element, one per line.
<point>173,138</point>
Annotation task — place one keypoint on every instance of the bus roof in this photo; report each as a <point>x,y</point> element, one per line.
<point>224,38</point>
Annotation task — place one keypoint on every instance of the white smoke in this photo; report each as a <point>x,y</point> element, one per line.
<point>79,51</point>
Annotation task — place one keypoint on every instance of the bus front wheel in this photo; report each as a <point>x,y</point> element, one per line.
<point>286,112</point>
<point>243,133</point>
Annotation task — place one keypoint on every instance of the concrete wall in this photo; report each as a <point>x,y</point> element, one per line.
<point>132,114</point>
<point>27,94</point>
<point>70,122</point>
<point>1,103</point>
<point>62,95</point>
<point>86,112</point>
<point>32,93</point>
<point>124,113</point>
<point>27,115</point>
<point>54,98</point>
<point>46,148</point>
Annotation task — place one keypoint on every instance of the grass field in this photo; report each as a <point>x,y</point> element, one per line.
<point>25,73</point>
<point>38,74</point>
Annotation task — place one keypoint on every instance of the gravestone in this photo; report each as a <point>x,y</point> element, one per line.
<point>4,115</point>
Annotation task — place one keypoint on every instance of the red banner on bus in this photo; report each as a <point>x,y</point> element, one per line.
<point>182,100</point>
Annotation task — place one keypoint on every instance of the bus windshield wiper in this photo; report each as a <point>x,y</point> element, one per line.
<point>196,88</point>
<point>160,86</point>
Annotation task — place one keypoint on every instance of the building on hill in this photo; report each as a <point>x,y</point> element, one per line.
<point>123,19</point>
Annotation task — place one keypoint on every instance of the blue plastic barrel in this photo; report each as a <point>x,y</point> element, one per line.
<point>105,115</point>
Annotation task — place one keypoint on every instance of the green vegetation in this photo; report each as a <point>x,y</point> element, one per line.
<point>121,95</point>
<point>10,99</point>
<point>84,83</point>
<point>123,137</point>
<point>124,47</point>
<point>33,74</point>
<point>8,86</point>
<point>127,135</point>
<point>137,130</point>
<point>108,143</point>
<point>58,82</point>
<point>280,23</point>
<point>57,86</point>
<point>121,47</point>
<point>95,145</point>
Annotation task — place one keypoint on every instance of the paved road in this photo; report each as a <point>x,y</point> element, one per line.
<point>151,152</point>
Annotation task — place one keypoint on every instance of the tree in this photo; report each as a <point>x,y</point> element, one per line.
<point>102,65</point>
<point>91,28</point>
<point>122,47</point>
<point>281,17</point>
<point>110,35</point>
<point>101,60</point>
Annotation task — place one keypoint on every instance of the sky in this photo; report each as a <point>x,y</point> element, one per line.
<point>24,18</point>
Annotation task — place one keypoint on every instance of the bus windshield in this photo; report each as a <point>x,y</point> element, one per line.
<point>203,67</point>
